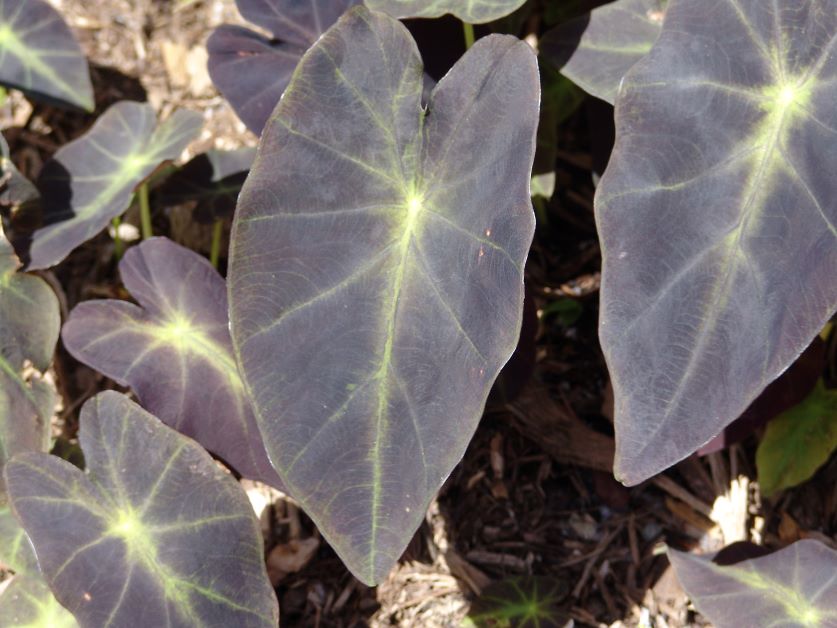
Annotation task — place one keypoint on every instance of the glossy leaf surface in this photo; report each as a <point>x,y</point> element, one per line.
<point>28,603</point>
<point>40,56</point>
<point>796,586</point>
<point>798,442</point>
<point>525,602</point>
<point>212,180</point>
<point>372,309</point>
<point>153,534</point>
<point>251,70</point>
<point>717,219</point>
<point>174,350</point>
<point>471,11</point>
<point>29,324</point>
<point>596,50</point>
<point>92,179</point>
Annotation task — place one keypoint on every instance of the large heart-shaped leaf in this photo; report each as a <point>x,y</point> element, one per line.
<point>717,218</point>
<point>174,351</point>
<point>251,70</point>
<point>29,324</point>
<point>91,180</point>
<point>372,309</point>
<point>39,55</point>
<point>471,11</point>
<point>154,534</point>
<point>796,586</point>
<point>596,50</point>
<point>212,180</point>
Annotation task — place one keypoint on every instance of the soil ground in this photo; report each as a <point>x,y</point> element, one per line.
<point>534,494</point>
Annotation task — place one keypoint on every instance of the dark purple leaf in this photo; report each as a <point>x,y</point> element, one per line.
<point>153,534</point>
<point>91,180</point>
<point>717,219</point>
<point>372,308</point>
<point>174,350</point>
<point>596,50</point>
<point>471,11</point>
<point>796,586</point>
<point>40,56</point>
<point>212,180</point>
<point>252,71</point>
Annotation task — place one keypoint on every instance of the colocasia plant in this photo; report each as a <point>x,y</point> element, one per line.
<point>374,290</point>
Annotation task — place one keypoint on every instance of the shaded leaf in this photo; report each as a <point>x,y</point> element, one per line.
<point>559,100</point>
<point>251,70</point>
<point>28,603</point>
<point>471,11</point>
<point>153,534</point>
<point>525,602</point>
<point>212,180</point>
<point>174,350</point>
<point>372,309</point>
<point>717,220</point>
<point>596,50</point>
<point>798,442</point>
<point>91,180</point>
<point>40,56</point>
<point>795,586</point>
<point>29,324</point>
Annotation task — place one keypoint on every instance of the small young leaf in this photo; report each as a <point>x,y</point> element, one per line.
<point>153,534</point>
<point>252,71</point>
<point>212,180</point>
<point>15,189</point>
<point>798,442</point>
<point>40,56</point>
<point>91,180</point>
<point>372,309</point>
<point>28,603</point>
<point>525,602</point>
<point>174,351</point>
<point>29,324</point>
<point>470,11</point>
<point>718,219</point>
<point>596,50</point>
<point>795,586</point>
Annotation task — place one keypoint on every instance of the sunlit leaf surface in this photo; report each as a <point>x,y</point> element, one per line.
<point>212,180</point>
<point>28,603</point>
<point>794,587</point>
<point>15,550</point>
<point>15,189</point>
<point>525,602</point>
<point>471,11</point>
<point>40,55</point>
<point>717,219</point>
<point>153,534</point>
<point>596,50</point>
<point>252,70</point>
<point>798,441</point>
<point>174,350</point>
<point>29,324</point>
<point>92,179</point>
<point>372,308</point>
